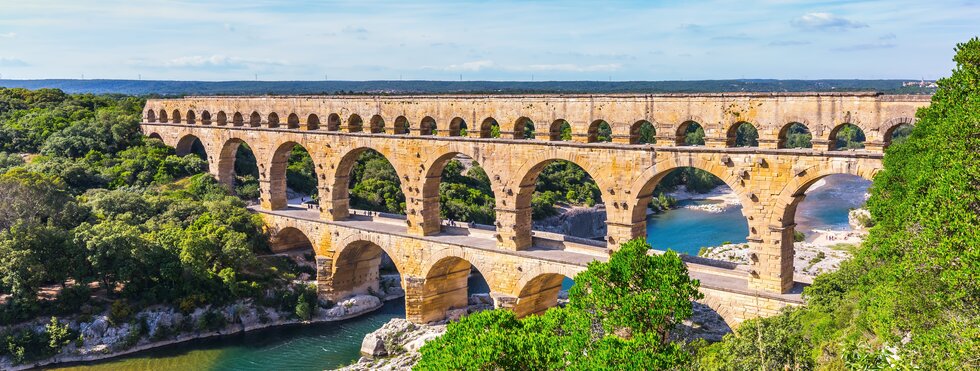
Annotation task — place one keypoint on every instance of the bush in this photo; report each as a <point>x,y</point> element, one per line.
<point>798,236</point>
<point>303,311</point>
<point>120,312</point>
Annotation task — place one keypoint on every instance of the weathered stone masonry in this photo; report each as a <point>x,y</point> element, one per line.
<point>769,180</point>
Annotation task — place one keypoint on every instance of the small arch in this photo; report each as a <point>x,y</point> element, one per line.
<point>289,239</point>
<point>163,116</point>
<point>221,118</point>
<point>151,116</point>
<point>255,120</point>
<point>539,294</point>
<point>190,117</point>
<point>237,119</point>
<point>600,131</point>
<point>355,124</point>
<point>523,128</point>
<point>377,124</point>
<point>428,126</point>
<point>742,134</point>
<point>357,269</point>
<point>206,118</point>
<point>489,128</point>
<point>690,133</point>
<point>292,122</point>
<point>312,122</point>
<point>795,135</point>
<point>560,130</point>
<point>155,136</point>
<point>401,125</point>
<point>176,117</point>
<point>273,121</point>
<point>643,132</point>
<point>846,137</point>
<point>333,122</point>
<point>457,127</point>
<point>898,133</point>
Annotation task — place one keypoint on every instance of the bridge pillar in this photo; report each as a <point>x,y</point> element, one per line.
<point>514,228</point>
<point>621,139</point>
<point>768,143</point>
<point>618,233</point>
<point>423,216</point>
<point>874,146</point>
<point>333,205</point>
<point>822,144</point>
<point>273,187</point>
<point>772,259</point>
<point>580,137</point>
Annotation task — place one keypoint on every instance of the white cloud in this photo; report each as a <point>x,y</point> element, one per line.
<point>470,66</point>
<point>8,35</point>
<point>569,67</point>
<point>824,22</point>
<point>12,62</point>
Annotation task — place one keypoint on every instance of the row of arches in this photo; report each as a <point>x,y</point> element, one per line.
<point>688,133</point>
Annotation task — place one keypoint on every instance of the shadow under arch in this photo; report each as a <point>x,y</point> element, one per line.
<point>530,172</point>
<point>278,173</point>
<point>226,162</point>
<point>742,134</point>
<point>290,239</point>
<point>191,144</point>
<point>151,116</point>
<point>340,184</point>
<point>489,128</point>
<point>156,136</point>
<point>357,270</point>
<point>685,130</point>
<point>846,136</point>
<point>446,288</point>
<point>560,130</point>
<point>794,135</point>
<point>431,185</point>
<point>643,132</point>
<point>538,294</point>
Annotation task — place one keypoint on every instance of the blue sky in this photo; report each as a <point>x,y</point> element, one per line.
<point>481,40</point>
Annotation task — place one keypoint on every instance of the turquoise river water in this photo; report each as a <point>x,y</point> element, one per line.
<point>330,345</point>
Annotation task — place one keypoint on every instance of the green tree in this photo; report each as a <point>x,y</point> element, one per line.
<point>113,248</point>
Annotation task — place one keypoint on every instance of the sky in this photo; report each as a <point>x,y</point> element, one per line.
<point>481,40</point>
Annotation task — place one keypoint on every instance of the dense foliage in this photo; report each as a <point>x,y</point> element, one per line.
<point>619,317</point>
<point>909,297</point>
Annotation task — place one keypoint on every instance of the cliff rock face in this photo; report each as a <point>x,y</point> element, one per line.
<point>584,222</point>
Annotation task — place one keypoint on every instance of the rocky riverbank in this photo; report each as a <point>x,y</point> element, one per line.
<point>157,326</point>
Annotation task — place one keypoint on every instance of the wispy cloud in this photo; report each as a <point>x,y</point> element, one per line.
<point>211,62</point>
<point>12,62</point>
<point>825,22</point>
<point>789,43</point>
<point>470,66</point>
<point>8,35</point>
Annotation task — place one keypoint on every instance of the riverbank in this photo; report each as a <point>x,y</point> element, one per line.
<point>159,326</point>
<point>718,199</point>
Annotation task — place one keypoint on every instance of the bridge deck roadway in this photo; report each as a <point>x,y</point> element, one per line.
<point>549,247</point>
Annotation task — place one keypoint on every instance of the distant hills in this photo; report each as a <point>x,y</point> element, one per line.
<point>179,88</point>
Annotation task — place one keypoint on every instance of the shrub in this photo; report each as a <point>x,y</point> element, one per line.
<point>120,312</point>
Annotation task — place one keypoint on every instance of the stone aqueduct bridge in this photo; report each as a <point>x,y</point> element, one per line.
<point>420,134</point>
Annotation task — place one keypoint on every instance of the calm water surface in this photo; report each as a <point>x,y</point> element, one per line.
<point>329,345</point>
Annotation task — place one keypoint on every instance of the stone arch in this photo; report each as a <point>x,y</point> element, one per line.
<point>732,139</point>
<point>205,118</point>
<point>784,210</point>
<point>523,128</point>
<point>185,144</point>
<point>893,125</point>
<point>556,128</point>
<point>681,135</point>
<point>255,119</point>
<point>163,116</point>
<point>292,122</point>
<point>175,117</point>
<point>277,174</point>
<point>289,239</point>
<point>428,126</point>
<point>151,116</point>
<point>401,125</point>
<point>456,126</point>
<point>226,162</point>
<point>312,122</point>
<point>487,126</point>
<point>191,120</point>
<point>787,129</point>
<point>377,124</point>
<point>595,129</point>
<point>636,132</point>
<point>837,130</point>
<point>355,124</point>
<point>273,120</point>
<point>538,294</point>
<point>221,118</point>
<point>431,219</point>
<point>333,122</point>
<point>445,288</point>
<point>237,119</point>
<point>156,136</point>
<point>356,268</point>
<point>340,187</point>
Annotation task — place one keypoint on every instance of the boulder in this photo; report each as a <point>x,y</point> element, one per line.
<point>373,346</point>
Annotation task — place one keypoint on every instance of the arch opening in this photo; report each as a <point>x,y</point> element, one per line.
<point>333,122</point>
<point>293,178</point>
<point>191,145</point>
<point>401,125</point>
<point>255,120</point>
<point>365,268</point>
<point>457,127</point>
<point>643,132</point>
<point>463,188</point>
<point>176,117</point>
<point>451,285</point>
<point>846,137</point>
<point>191,120</point>
<point>206,118</point>
<point>898,133</point>
<point>369,182</point>
<point>600,131</point>
<point>290,239</point>
<point>542,292</point>
<point>524,128</point>
<point>237,119</point>
<point>238,169</point>
<point>690,133</point>
<point>560,130</point>
<point>427,126</point>
<point>163,116</point>
<point>273,120</point>
<point>151,116</point>
<point>155,136</point>
<point>742,134</point>
<point>377,124</point>
<point>355,124</point>
<point>312,122</point>
<point>565,199</point>
<point>489,128</point>
<point>221,118</point>
<point>795,135</point>
<point>292,121</point>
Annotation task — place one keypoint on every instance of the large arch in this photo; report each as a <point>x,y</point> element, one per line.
<point>186,145</point>
<point>226,162</point>
<point>431,206</point>
<point>289,239</point>
<point>742,134</point>
<point>338,204</point>
<point>538,294</point>
<point>356,269</point>
<point>445,288</point>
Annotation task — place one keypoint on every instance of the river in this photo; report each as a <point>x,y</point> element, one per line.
<point>329,345</point>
